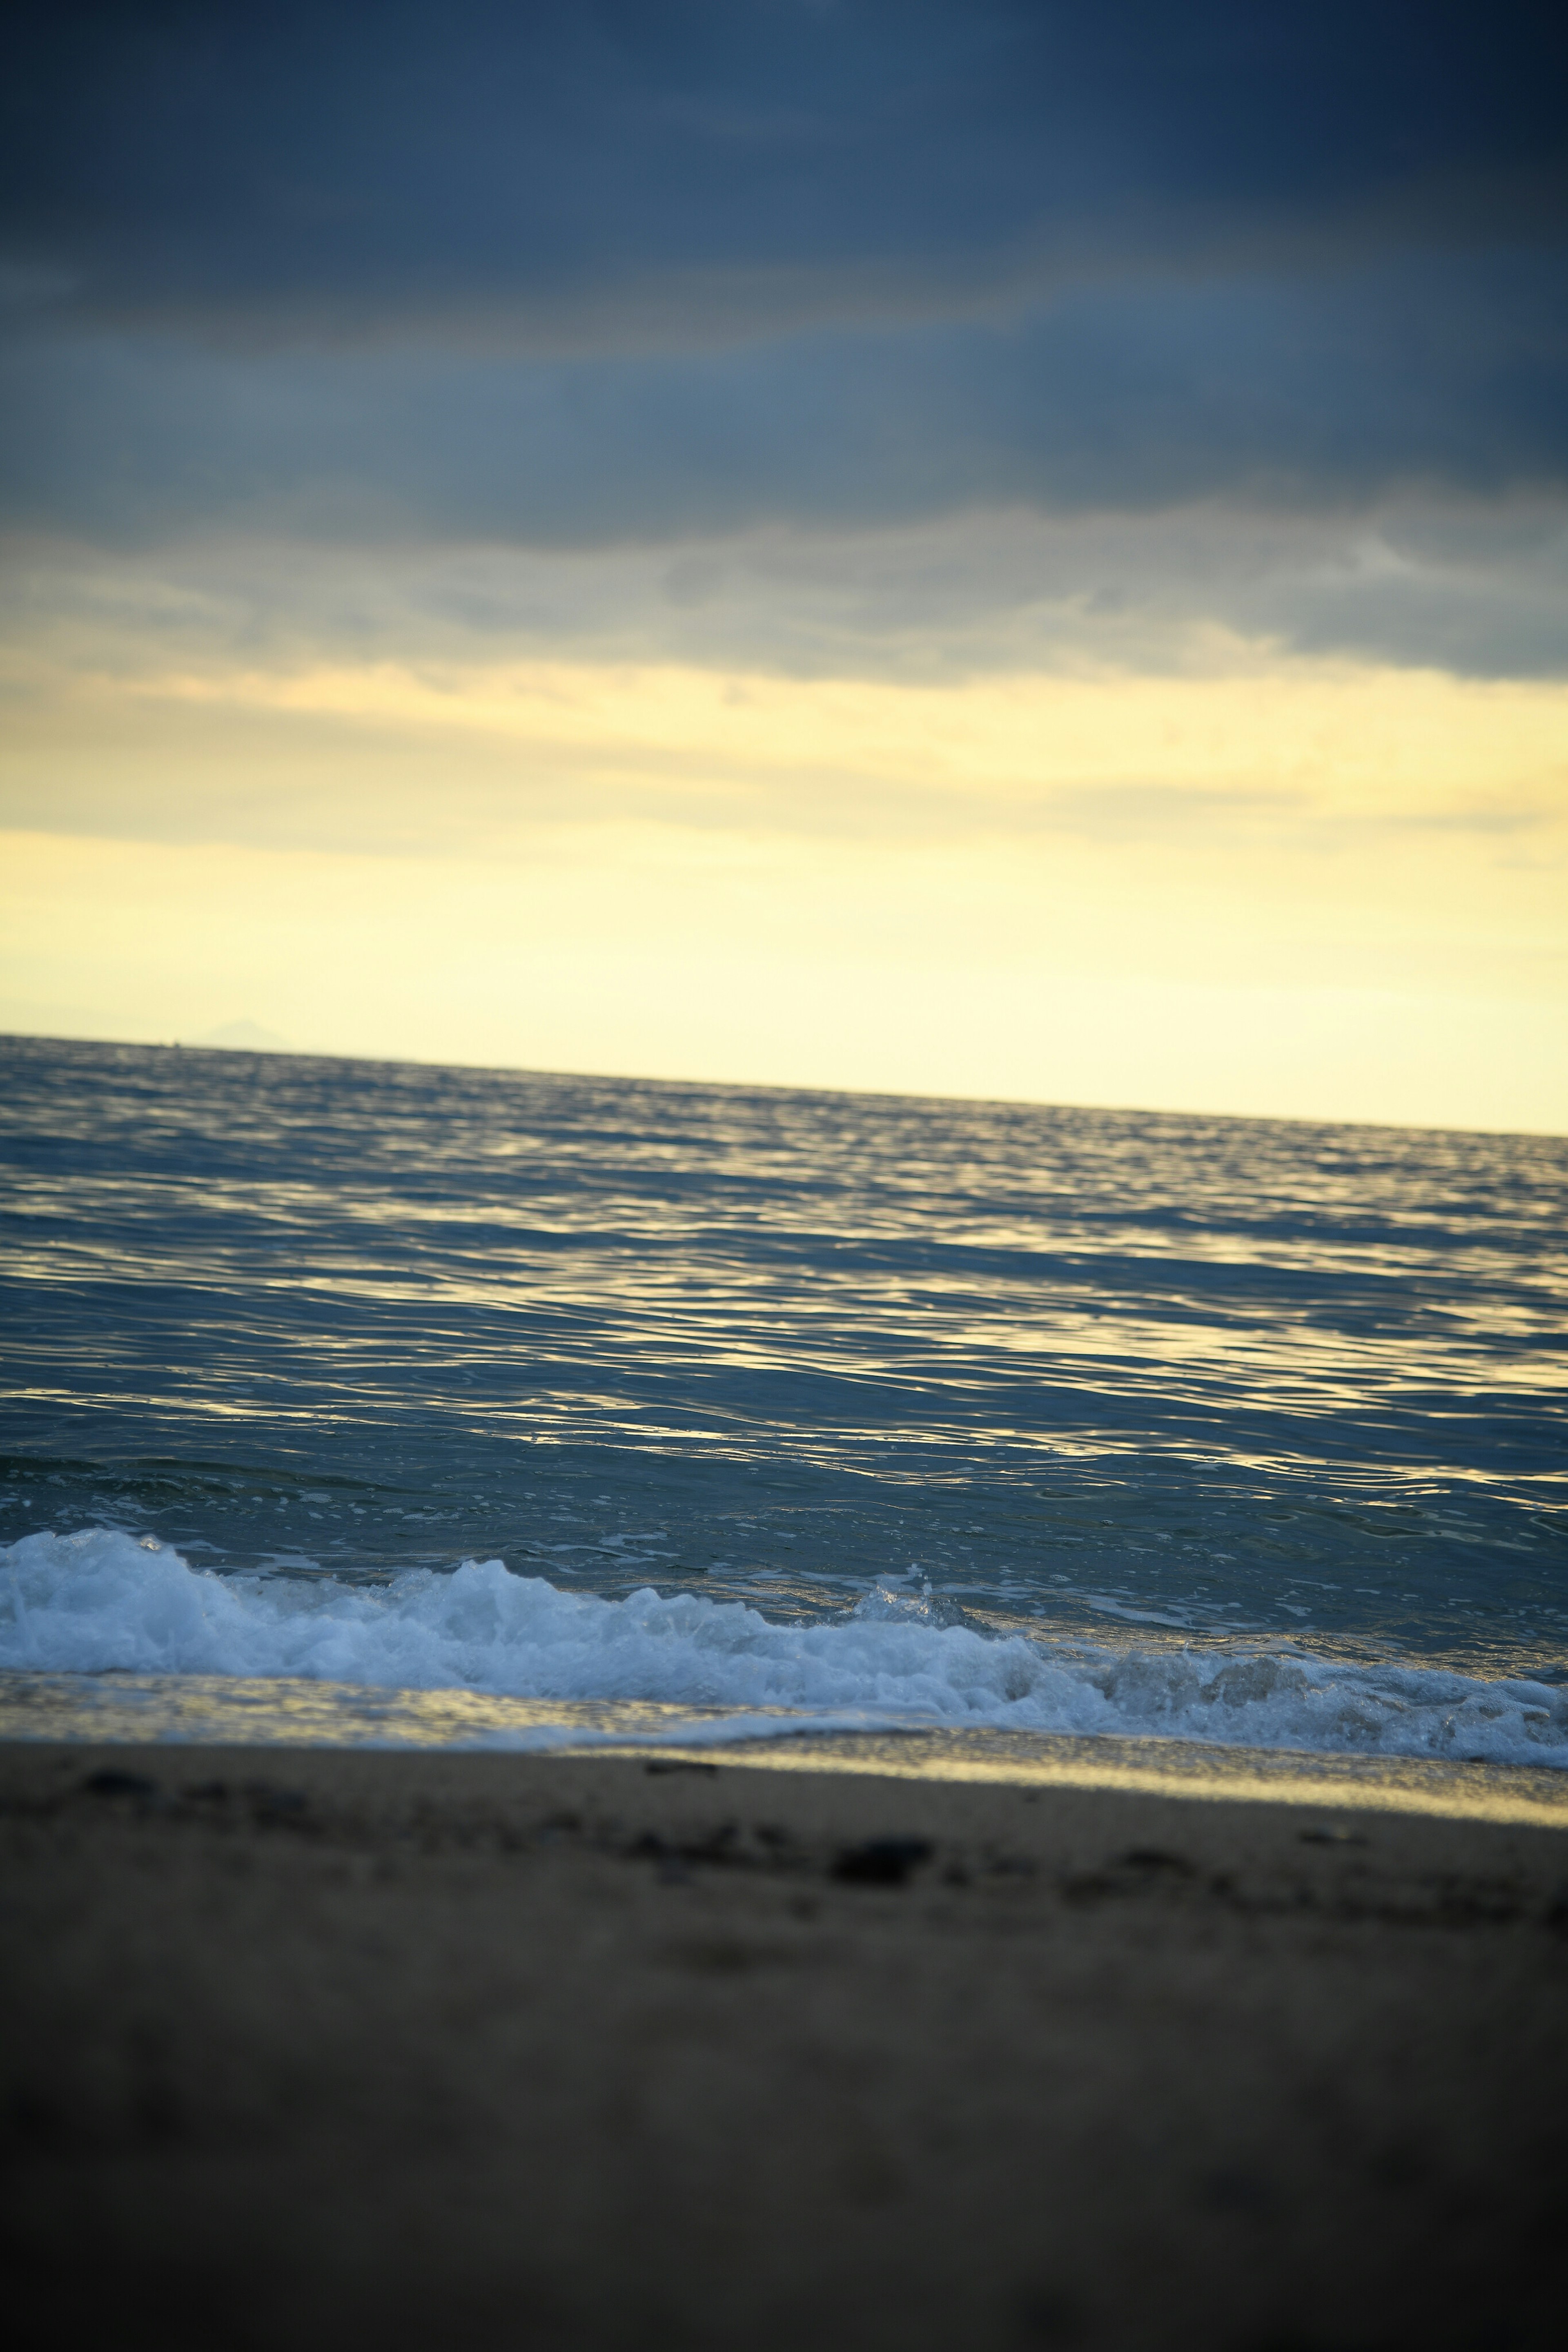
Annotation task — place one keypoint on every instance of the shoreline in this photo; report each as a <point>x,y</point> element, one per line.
<point>288,1715</point>
<point>321,2047</point>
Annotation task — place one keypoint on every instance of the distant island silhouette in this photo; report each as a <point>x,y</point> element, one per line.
<point>246,1037</point>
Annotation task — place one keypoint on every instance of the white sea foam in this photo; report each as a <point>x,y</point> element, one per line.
<point>103,1600</point>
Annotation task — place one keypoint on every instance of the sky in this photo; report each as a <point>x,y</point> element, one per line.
<point>1013,550</point>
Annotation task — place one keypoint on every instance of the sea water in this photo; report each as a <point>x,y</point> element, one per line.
<point>358,1401</point>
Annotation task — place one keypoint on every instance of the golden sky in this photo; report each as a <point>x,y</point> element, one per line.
<point>1259,882</point>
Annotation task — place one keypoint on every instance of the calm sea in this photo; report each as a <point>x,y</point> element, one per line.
<point>354,1400</point>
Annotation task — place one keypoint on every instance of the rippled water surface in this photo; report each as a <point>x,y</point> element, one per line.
<point>1142,1382</point>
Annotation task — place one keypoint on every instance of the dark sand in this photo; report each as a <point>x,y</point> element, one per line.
<point>309,2049</point>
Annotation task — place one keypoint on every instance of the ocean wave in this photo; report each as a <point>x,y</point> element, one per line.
<point>103,1600</point>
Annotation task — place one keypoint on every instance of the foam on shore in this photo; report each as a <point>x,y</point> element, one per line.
<point>105,1602</point>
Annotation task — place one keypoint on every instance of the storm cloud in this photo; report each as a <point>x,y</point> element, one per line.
<point>628,166</point>
<point>618,275</point>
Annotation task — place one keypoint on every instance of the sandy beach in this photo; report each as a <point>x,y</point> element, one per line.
<point>325,2049</point>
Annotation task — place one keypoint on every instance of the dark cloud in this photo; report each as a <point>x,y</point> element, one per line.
<point>1125,397</point>
<point>620,272</point>
<point>661,159</point>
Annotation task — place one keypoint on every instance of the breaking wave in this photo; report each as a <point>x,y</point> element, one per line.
<point>102,1601</point>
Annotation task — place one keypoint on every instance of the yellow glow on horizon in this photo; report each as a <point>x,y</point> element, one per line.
<point>1262,884</point>
<point>1340,733</point>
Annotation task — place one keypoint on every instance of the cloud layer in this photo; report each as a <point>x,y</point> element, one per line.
<point>635,272</point>
<point>636,167</point>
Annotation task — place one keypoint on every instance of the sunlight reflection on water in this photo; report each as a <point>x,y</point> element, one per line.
<point>1085,1368</point>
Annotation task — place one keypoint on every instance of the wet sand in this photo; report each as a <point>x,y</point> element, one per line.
<point>307,2049</point>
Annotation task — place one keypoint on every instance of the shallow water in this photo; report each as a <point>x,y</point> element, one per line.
<point>1057,1421</point>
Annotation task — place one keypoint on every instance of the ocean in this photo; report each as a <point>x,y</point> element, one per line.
<point>356,1401</point>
